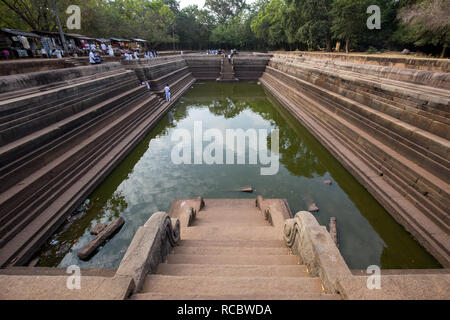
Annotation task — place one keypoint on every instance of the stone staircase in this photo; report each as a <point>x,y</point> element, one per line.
<point>227,73</point>
<point>390,133</point>
<point>233,251</point>
<point>59,140</point>
<point>230,251</point>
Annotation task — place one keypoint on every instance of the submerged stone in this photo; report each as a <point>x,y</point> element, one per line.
<point>313,208</point>
<point>98,228</point>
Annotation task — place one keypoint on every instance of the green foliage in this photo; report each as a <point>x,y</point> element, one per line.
<point>270,23</point>
<point>225,10</point>
<point>194,27</point>
<point>425,22</point>
<point>371,50</point>
<point>264,24</point>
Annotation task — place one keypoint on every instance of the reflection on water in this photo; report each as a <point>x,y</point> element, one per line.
<point>147,181</point>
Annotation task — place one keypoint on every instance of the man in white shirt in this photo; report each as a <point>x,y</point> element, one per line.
<point>167,91</point>
<point>136,55</point>
<point>92,57</point>
<point>58,53</point>
<point>111,51</point>
<point>103,48</point>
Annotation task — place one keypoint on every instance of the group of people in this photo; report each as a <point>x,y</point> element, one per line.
<point>129,55</point>
<point>166,90</point>
<point>49,53</point>
<point>103,48</point>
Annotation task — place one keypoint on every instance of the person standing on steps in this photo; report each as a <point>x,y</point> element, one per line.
<point>92,57</point>
<point>103,45</point>
<point>167,91</point>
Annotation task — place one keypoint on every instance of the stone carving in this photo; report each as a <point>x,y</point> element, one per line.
<point>316,249</point>
<point>150,246</point>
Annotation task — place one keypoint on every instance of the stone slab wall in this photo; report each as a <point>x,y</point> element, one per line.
<point>43,78</point>
<point>391,135</point>
<point>438,65</point>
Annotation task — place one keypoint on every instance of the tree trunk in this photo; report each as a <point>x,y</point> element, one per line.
<point>328,41</point>
<point>347,44</point>
<point>444,48</point>
<point>338,46</point>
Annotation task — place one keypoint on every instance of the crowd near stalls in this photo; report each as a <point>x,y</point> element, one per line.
<point>19,44</point>
<point>15,44</point>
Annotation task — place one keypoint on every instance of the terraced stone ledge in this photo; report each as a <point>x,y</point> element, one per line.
<point>391,135</point>
<point>317,250</point>
<point>439,65</point>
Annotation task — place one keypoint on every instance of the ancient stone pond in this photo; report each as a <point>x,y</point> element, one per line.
<point>147,181</point>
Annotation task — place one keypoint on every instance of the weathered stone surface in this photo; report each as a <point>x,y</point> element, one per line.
<point>400,287</point>
<point>149,248</point>
<point>55,288</point>
<point>313,208</point>
<point>247,189</point>
<point>275,211</point>
<point>80,122</point>
<point>231,250</point>
<point>317,250</point>
<point>101,238</point>
<point>98,228</point>
<point>367,117</point>
<point>333,231</point>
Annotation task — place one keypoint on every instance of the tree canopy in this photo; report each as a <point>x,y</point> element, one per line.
<point>259,25</point>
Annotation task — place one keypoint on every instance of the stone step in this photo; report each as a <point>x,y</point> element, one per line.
<point>251,286</point>
<point>387,192</point>
<point>223,297</point>
<point>45,151</point>
<point>400,172</point>
<point>424,148</point>
<point>206,270</point>
<point>66,176</point>
<point>41,175</point>
<point>19,250</point>
<point>55,288</point>
<point>235,259</point>
<point>234,243</point>
<point>46,115</point>
<point>63,95</point>
<point>409,131</point>
<point>211,250</point>
<point>56,129</point>
<point>380,149</point>
<point>44,271</point>
<point>38,82</point>
<point>23,216</point>
<point>231,233</point>
<point>245,216</point>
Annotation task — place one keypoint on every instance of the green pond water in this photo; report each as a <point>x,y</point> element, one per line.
<point>148,181</point>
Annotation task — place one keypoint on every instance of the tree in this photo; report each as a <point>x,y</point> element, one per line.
<point>427,22</point>
<point>225,10</point>
<point>348,19</point>
<point>193,27</point>
<point>269,24</point>
<point>314,22</point>
<point>27,14</point>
